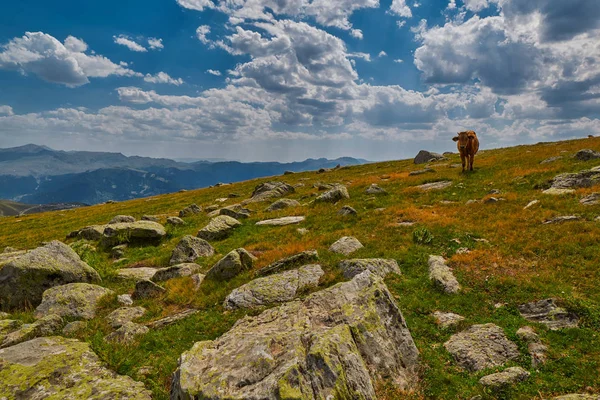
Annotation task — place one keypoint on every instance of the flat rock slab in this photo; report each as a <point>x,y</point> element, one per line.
<point>561,219</point>
<point>219,228</point>
<point>231,265</point>
<point>60,368</point>
<point>480,347</point>
<point>44,326</point>
<point>441,275</point>
<point>420,172</point>
<point>298,259</point>
<point>346,245</point>
<point>76,300</point>
<point>379,266</point>
<point>581,179</point>
<point>558,192</point>
<point>282,221</point>
<point>447,319</point>
<point>591,199</point>
<point>548,313</point>
<point>337,193</point>
<point>122,315</point>
<point>577,396</point>
<point>140,231</point>
<point>175,271</point>
<point>508,377</point>
<point>273,289</point>
<point>435,185</point>
<point>282,204</point>
<point>336,343</point>
<point>137,273</point>
<point>160,323</point>
<point>189,249</point>
<point>375,189</point>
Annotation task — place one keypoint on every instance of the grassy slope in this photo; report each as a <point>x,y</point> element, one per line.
<point>524,261</point>
<point>12,208</point>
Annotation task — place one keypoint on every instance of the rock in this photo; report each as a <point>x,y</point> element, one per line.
<point>281,221</point>
<point>548,313</point>
<point>490,200</point>
<point>334,344</point>
<point>587,154</point>
<point>288,172</point>
<point>160,323</point>
<point>530,204</point>
<point>24,278</point>
<point>9,249</point>
<point>420,172</point>
<point>60,368</point>
<point>175,221</point>
<point>347,210</point>
<point>379,266</point>
<point>127,333</point>
<point>175,271</point>
<point>270,190</point>
<point>558,192</point>
<point>235,211</point>
<point>189,249</point>
<point>323,186</point>
<point>7,326</point>
<point>146,289</point>
<point>337,193</point>
<point>591,199</point>
<point>551,159</point>
<point>447,320</point>
<point>234,195</point>
<point>441,275</point>
<point>505,378</point>
<point>582,179</point>
<point>76,300</point>
<point>346,245</point>
<point>562,218</point>
<point>375,189</point>
<point>302,231</point>
<point>118,251</point>
<point>45,326</point>
<point>125,299</point>
<point>152,218</point>
<point>137,273</point>
<point>298,259</point>
<point>73,327</point>
<point>273,289</point>
<point>282,204</point>
<point>425,156</point>
<point>463,250</point>
<point>536,348</point>
<point>122,315</point>
<point>231,265</point>
<point>219,228</point>
<point>140,231</point>
<point>480,347</point>
<point>214,207</point>
<point>435,185</point>
<point>93,232</point>
<point>121,218</point>
<point>190,210</point>
<point>198,279</point>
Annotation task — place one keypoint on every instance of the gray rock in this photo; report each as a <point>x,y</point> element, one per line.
<point>323,186</point>
<point>171,319</point>
<point>480,347</point>
<point>60,368</point>
<point>298,259</point>
<point>270,190</point>
<point>152,218</point>
<point>425,156</point>
<point>281,221</point>
<point>435,185</point>
<point>45,326</point>
<point>175,271</point>
<point>347,210</point>
<point>211,208</point>
<point>536,348</point>
<point>508,377</point>
<point>288,172</point>
<point>76,300</point>
<point>304,231</point>
<point>118,251</point>
<point>375,189</point>
<point>282,204</point>
<point>379,266</point>
<point>147,289</point>
<point>551,159</point>
<point>219,228</point>
<point>175,221</point>
<point>9,249</point>
<point>93,232</point>
<point>441,275</point>
<point>548,313</point>
<point>334,344</point>
<point>236,211</point>
<point>337,193</point>
<point>24,278</point>
<point>140,231</point>
<point>558,192</point>
<point>346,245</point>
<point>73,327</point>
<point>198,279</point>
<point>490,200</point>
<point>190,210</point>
<point>231,265</point>
<point>127,333</point>
<point>587,154</point>
<point>562,218</point>
<point>447,320</point>
<point>531,204</point>
<point>121,218</point>
<point>591,199</point>
<point>189,249</point>
<point>7,326</point>
<point>582,179</point>
<point>420,172</point>
<point>122,315</point>
<point>137,273</point>
<point>273,289</point>
<point>125,299</point>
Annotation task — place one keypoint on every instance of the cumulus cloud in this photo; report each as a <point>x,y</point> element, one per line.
<point>451,5</point>
<point>213,72</point>
<point>201,33</point>
<point>399,8</point>
<point>198,5</point>
<point>382,54</point>
<point>129,43</point>
<point>356,33</point>
<point>162,77</point>
<point>6,110</point>
<point>155,44</point>
<point>75,45</point>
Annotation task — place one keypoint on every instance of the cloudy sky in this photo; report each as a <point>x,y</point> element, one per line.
<point>291,79</point>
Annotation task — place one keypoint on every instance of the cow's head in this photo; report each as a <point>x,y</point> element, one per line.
<point>463,138</point>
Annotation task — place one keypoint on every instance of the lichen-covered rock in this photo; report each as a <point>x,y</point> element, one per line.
<point>425,156</point>
<point>548,313</point>
<point>73,327</point>
<point>219,228</point>
<point>126,333</point>
<point>334,344</point>
<point>93,232</point>
<point>441,275</point>
<point>44,326</point>
<point>171,319</point>
<point>175,221</point>
<point>435,185</point>
<point>447,320</point>
<point>189,249</point>
<point>121,218</point>
<point>273,289</point>
<point>235,211</point>
<point>137,273</point>
<point>347,210</point>
<point>582,179</point>
<point>301,258</point>
<point>125,299</point>
<point>379,266</point>
<point>282,204</point>
<point>500,380</point>
<point>231,265</point>
<point>190,210</point>
<point>118,251</point>
<point>4,315</point>
<point>537,350</point>
<point>60,368</point>
<point>124,314</point>
<point>560,219</point>
<point>281,221</point>
<point>77,300</point>
<point>587,154</point>
<point>337,193</point>
<point>591,199</point>
<point>152,218</point>
<point>140,231</point>
<point>197,279</point>
<point>481,346</point>
<point>375,189</point>
<point>175,271</point>
<point>558,192</point>
<point>7,326</point>
<point>346,245</point>
<point>270,190</point>
<point>23,279</point>
<point>146,289</point>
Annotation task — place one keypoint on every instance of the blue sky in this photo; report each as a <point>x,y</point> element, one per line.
<point>291,79</point>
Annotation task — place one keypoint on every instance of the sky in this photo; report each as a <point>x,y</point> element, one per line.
<point>284,80</point>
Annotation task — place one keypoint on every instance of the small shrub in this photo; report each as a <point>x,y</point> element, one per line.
<point>422,236</point>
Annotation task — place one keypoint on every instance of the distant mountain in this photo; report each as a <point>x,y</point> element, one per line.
<point>39,175</point>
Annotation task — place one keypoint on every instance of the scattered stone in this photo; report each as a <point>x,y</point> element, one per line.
<point>122,315</point>
<point>273,289</point>
<point>118,251</point>
<point>175,271</point>
<point>231,265</point>
<point>302,258</point>
<point>591,199</point>
<point>282,204</point>
<point>375,189</point>
<point>211,208</point>
<point>175,221</point>
<point>379,266</point>
<point>435,185</point>
<point>235,211</point>
<point>491,200</point>
<point>582,179</point>
<point>190,210</point>
<point>146,289</point>
<point>121,218</point>
<point>189,249</point>
<point>281,221</point>
<point>160,323</point>
<point>152,218</point>
<point>447,320</point>
<point>302,231</point>
<point>25,277</point>
<point>551,159</point>
<point>198,279</point>
<point>587,154</point>
<point>558,192</point>
<point>420,172</point>
<point>334,344</point>
<point>323,186</point>
<point>347,210</point>
<point>337,193</point>
<point>219,228</point>
<point>405,223</point>
<point>140,231</point>
<point>127,333</point>
<point>425,156</point>
<point>441,275</point>
<point>562,218</point>
<point>270,190</point>
<point>530,204</point>
<point>500,380</point>
<point>93,232</point>
<point>480,347</point>
<point>45,326</point>
<point>462,250</point>
<point>137,273</point>
<point>548,313</point>
<point>76,300</point>
<point>346,245</point>
<point>73,327</point>
<point>536,348</point>
<point>125,299</point>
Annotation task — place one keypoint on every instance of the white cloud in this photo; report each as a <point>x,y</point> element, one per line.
<point>452,5</point>
<point>382,54</point>
<point>400,24</point>
<point>198,5</point>
<point>398,60</point>
<point>399,8</point>
<point>6,110</point>
<point>201,33</point>
<point>75,45</point>
<point>477,5</point>
<point>130,44</point>
<point>155,43</point>
<point>356,33</point>
<point>213,72</point>
<point>162,77</point>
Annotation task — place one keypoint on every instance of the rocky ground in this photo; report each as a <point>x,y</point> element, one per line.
<point>393,280</point>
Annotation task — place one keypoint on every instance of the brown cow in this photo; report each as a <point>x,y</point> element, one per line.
<point>468,145</point>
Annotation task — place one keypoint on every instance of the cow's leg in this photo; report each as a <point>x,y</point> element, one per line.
<point>471,159</point>
<point>463,159</point>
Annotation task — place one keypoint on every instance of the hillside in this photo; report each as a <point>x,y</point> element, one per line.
<point>12,208</point>
<point>504,250</point>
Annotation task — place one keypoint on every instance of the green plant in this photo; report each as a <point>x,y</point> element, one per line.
<point>422,236</point>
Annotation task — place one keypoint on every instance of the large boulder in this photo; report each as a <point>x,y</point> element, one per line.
<point>378,266</point>
<point>282,204</point>
<point>75,300</point>
<point>441,275</point>
<point>273,289</point>
<point>189,249</point>
<point>337,193</point>
<point>346,245</point>
<point>298,259</point>
<point>231,265</point>
<point>582,179</point>
<point>146,289</point>
<point>587,154</point>
<point>425,156</point>
<point>270,190</point>
<point>140,231</point>
<point>24,278</point>
<point>190,210</point>
<point>44,326</point>
<point>60,368</point>
<point>218,228</point>
<point>336,343</point>
<point>175,271</point>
